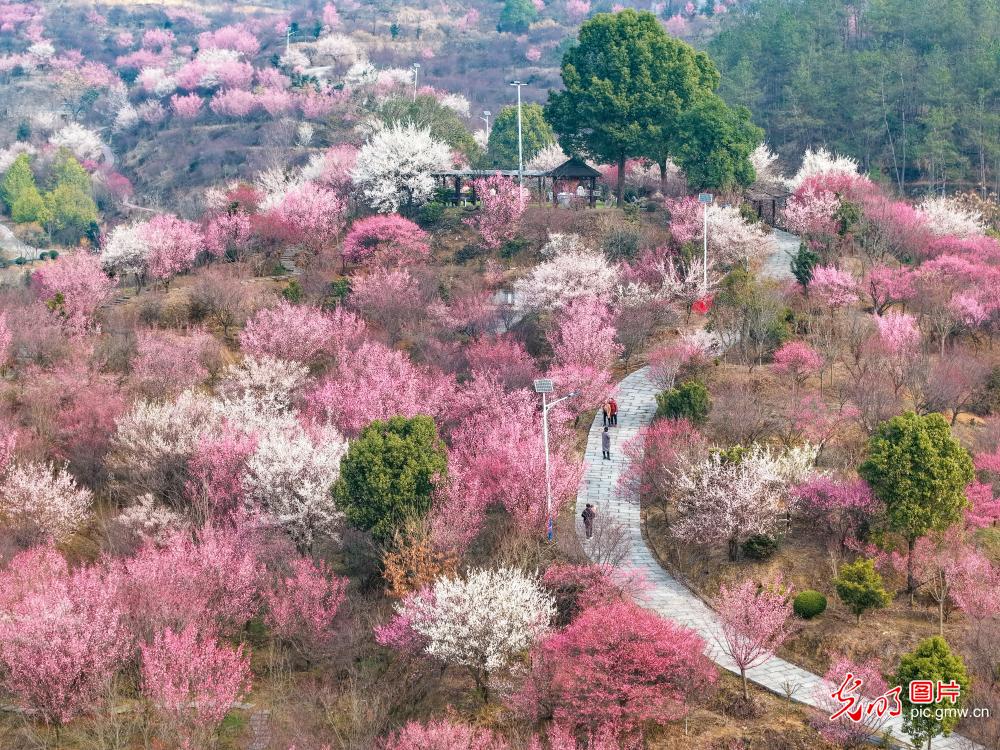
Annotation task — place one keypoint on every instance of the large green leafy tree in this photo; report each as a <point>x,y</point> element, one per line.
<point>713,145</point>
<point>920,472</point>
<point>17,180</point>
<point>426,111</point>
<point>389,474</point>
<point>627,83</point>
<point>69,207</point>
<point>517,16</point>
<point>536,134</point>
<point>931,660</point>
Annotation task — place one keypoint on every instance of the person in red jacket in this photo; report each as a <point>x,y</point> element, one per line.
<point>614,412</point>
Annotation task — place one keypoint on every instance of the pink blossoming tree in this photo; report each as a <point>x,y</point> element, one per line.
<point>502,204</point>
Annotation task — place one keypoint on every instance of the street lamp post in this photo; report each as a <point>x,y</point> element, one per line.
<point>416,72</point>
<point>520,142</point>
<point>545,386</point>
<point>705,199</point>
<point>485,117</point>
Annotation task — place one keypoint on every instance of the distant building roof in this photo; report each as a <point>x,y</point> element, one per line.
<point>569,169</point>
<point>573,167</point>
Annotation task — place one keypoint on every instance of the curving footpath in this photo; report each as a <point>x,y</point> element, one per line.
<point>636,397</point>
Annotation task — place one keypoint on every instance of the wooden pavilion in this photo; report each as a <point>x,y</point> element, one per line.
<point>769,203</point>
<point>572,170</point>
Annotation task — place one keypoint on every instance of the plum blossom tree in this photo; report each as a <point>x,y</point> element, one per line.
<point>947,217</point>
<point>502,204</point>
<point>442,735</point>
<point>167,363</point>
<point>301,606</point>
<point>193,681</point>
<point>308,214</point>
<point>867,683</point>
<point>720,500</point>
<point>73,287</point>
<point>391,298</point>
<point>234,102</point>
<point>43,501</point>
<point>124,252</point>
<point>823,163</point>
<point>984,509</point>
<point>839,507</point>
<point>565,277</point>
<point>172,245</point>
<point>216,468</point>
<point>658,453</point>
<point>833,287</point>
<point>300,333</point>
<point>731,239</point>
<point>211,580</point>
<point>386,240</point>
<point>755,622</point>
<point>798,361</point>
<point>584,335</point>
<point>480,621</point>
<point>62,635</point>
<point>393,168</point>
<point>186,106</point>
<point>503,358</point>
<point>810,212</point>
<point>289,478</point>
<point>229,233</point>
<point>376,382</point>
<point>618,665</point>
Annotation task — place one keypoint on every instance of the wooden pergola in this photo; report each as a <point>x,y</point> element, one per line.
<point>571,169</point>
<point>768,203</point>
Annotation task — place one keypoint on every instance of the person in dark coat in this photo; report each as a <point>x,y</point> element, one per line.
<point>606,444</point>
<point>614,412</point>
<point>588,519</point>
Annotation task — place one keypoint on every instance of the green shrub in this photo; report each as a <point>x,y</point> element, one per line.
<point>430,213</point>
<point>808,604</point>
<point>19,261</point>
<point>760,547</point>
<point>513,247</point>
<point>53,254</point>
<point>688,401</point>
<point>468,252</point>
<point>860,587</point>
<point>292,292</point>
<point>44,255</point>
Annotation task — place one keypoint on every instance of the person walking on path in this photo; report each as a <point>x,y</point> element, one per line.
<point>588,519</point>
<point>606,411</point>
<point>606,444</point>
<point>613,406</point>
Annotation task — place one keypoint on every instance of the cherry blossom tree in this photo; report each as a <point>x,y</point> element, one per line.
<point>481,621</point>
<point>946,216</point>
<point>731,239</point>
<point>387,240</point>
<point>393,168</point>
<point>301,606</point>
<point>502,204</point>
<point>234,37</point>
<point>375,382</point>
<point>229,233</point>
<point>619,665</point>
<point>755,622</point>
<point>984,509</point>
<point>186,107</point>
<point>43,501</point>
<point>192,680</point>
<point>823,163</point>
<point>720,500</point>
<point>73,287</point>
<point>833,287</point>
<point>236,103</point>
<point>62,635</point>
<point>584,335</point>
<point>810,212</point>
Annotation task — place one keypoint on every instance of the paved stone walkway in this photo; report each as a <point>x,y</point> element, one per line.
<point>600,486</point>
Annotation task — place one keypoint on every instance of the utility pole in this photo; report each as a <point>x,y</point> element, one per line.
<point>705,199</point>
<point>545,386</point>
<point>486,118</point>
<point>416,72</point>
<point>520,142</point>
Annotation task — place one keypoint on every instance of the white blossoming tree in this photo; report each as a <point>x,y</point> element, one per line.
<point>84,143</point>
<point>567,276</point>
<point>821,162</point>
<point>394,167</point>
<point>721,500</point>
<point>125,251</point>
<point>43,502</point>
<point>946,216</point>
<point>289,477</point>
<point>481,621</point>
